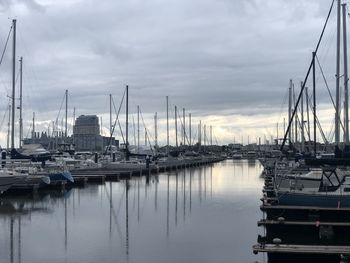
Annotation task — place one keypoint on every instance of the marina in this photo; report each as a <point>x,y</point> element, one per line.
<point>199,132</point>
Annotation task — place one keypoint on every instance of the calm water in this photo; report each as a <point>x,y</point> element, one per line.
<point>205,214</point>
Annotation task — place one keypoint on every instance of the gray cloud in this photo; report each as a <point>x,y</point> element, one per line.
<point>211,57</point>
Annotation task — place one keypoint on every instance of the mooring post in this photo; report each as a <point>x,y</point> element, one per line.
<point>3,157</point>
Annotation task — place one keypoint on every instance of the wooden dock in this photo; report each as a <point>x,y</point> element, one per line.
<point>264,222</point>
<point>301,249</point>
<point>290,207</point>
<point>100,175</point>
<point>302,233</point>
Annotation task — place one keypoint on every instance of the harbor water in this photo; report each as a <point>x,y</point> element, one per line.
<point>200,214</point>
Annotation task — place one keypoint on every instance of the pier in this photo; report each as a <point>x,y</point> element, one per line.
<point>100,175</point>
<point>296,232</point>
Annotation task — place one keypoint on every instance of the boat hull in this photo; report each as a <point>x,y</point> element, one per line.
<point>61,176</point>
<point>319,200</point>
<point>6,182</point>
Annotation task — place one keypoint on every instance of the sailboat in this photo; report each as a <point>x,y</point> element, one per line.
<point>329,186</point>
<point>7,179</point>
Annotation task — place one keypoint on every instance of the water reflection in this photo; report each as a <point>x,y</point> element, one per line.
<point>127,186</point>
<point>208,213</point>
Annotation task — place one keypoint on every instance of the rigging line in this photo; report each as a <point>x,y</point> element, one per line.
<point>30,72</point>
<point>59,112</point>
<point>216,140</point>
<point>318,123</point>
<point>121,131</point>
<point>331,133</point>
<point>328,46</point>
<point>7,40</point>
<point>194,137</point>
<point>3,119</point>
<point>149,137</point>
<point>144,125</point>
<point>149,142</point>
<point>115,214</point>
<point>119,125</point>
<point>133,123</point>
<point>29,129</point>
<point>17,76</point>
<point>310,101</point>
<point>115,121</point>
<point>306,77</point>
<point>183,129</point>
<point>283,103</point>
<point>117,114</point>
<point>329,92</point>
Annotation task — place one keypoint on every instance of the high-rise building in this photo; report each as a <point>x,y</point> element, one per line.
<point>86,134</point>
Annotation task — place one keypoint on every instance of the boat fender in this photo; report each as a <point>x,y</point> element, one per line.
<point>3,157</point>
<point>277,241</point>
<point>280,220</point>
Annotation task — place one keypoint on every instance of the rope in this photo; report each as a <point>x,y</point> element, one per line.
<point>7,40</point>
<point>115,122</point>
<point>148,132</point>
<point>3,119</point>
<point>329,92</point>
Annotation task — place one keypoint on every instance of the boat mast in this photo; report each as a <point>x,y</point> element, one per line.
<point>127,125</point>
<point>101,125</point>
<point>33,131</point>
<point>138,129</point>
<point>13,85</point>
<point>66,124</point>
<point>211,135</point>
<point>314,97</point>
<point>190,128</point>
<point>9,128</point>
<point>337,78</point>
<point>346,91</point>
<point>176,126</point>
<point>184,126</point>
<point>167,125</point>
<point>74,124</point>
<point>110,114</point>
<point>200,133</point>
<point>308,115</point>
<point>155,131</point>
<point>290,112</point>
<point>20,103</point>
<point>302,119</point>
<point>145,137</point>
<point>296,118</point>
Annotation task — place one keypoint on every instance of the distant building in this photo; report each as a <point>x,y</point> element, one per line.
<point>43,138</point>
<point>86,134</point>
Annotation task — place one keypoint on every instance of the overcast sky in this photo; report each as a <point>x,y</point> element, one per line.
<point>227,62</point>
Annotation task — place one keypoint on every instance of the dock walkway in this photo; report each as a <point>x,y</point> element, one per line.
<point>301,249</point>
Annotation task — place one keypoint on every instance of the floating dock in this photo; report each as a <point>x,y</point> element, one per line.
<point>302,233</point>
<point>101,175</point>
